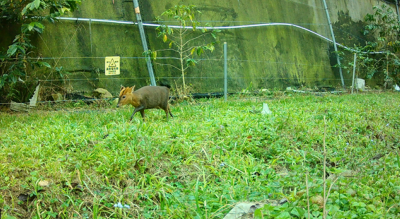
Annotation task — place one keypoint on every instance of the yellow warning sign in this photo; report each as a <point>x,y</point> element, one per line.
<point>112,65</point>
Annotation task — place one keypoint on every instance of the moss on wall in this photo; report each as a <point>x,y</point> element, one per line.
<point>266,57</point>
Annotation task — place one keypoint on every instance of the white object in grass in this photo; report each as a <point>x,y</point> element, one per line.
<point>265,109</point>
<point>360,84</point>
<point>34,99</point>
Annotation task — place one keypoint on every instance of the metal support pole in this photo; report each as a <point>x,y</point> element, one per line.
<point>90,34</point>
<point>144,42</point>
<point>334,42</point>
<point>225,71</point>
<point>354,72</point>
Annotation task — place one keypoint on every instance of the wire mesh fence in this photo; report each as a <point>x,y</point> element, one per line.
<point>79,84</point>
<point>297,54</point>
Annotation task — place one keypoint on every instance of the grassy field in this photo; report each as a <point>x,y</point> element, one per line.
<point>88,162</point>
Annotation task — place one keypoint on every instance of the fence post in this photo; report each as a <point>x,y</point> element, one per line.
<point>225,71</point>
<point>144,42</point>
<point>334,42</point>
<point>354,72</point>
<point>90,35</point>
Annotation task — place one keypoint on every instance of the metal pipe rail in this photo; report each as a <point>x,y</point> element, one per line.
<point>217,28</point>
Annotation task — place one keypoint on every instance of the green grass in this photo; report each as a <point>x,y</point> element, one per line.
<point>198,164</point>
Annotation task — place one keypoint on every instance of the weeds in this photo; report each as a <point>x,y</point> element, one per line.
<point>200,163</point>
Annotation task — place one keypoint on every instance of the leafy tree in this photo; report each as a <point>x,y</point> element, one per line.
<point>383,52</point>
<point>29,16</point>
<point>186,40</point>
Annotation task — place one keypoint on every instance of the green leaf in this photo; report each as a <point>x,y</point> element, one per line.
<point>371,208</point>
<point>298,212</point>
<point>44,64</point>
<point>170,30</point>
<point>359,204</point>
<point>211,47</point>
<point>154,54</point>
<point>12,50</point>
<point>21,49</point>
<point>16,38</point>
<point>38,30</point>
<point>398,156</point>
<point>200,51</point>
<point>284,215</point>
<point>39,25</point>
<point>50,19</point>
<point>26,9</point>
<point>165,38</point>
<point>73,4</point>
<point>31,26</point>
<point>9,217</point>
<point>36,4</point>
<point>64,10</point>
<point>258,213</point>
<point>316,213</point>
<point>191,62</point>
<point>192,51</point>
<point>32,6</point>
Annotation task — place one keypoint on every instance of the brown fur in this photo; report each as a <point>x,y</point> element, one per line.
<point>125,90</point>
<point>148,97</point>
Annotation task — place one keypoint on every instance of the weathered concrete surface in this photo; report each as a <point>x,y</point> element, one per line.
<point>261,57</point>
<point>355,9</point>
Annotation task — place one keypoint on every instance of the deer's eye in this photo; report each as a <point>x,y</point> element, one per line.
<point>123,97</point>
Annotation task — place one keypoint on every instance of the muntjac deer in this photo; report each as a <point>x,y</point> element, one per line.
<point>148,97</point>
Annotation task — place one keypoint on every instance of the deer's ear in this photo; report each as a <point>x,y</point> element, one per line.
<point>122,87</point>
<point>133,88</point>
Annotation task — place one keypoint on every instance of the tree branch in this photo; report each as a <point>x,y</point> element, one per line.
<point>186,57</point>
<point>162,50</point>
<point>173,66</point>
<point>194,38</point>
